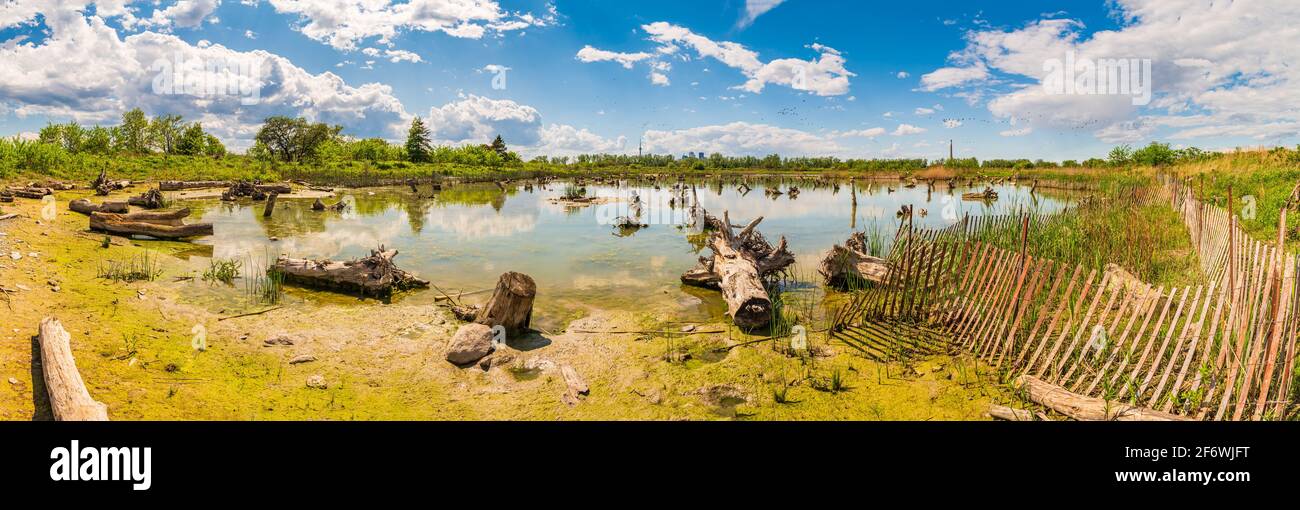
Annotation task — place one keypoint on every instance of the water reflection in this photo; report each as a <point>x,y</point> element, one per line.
<point>464,236</point>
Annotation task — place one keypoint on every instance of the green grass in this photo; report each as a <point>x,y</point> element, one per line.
<point>1145,237</point>
<point>222,270</point>
<point>144,267</point>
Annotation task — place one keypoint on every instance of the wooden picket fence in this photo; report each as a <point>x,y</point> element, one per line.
<point>1223,350</point>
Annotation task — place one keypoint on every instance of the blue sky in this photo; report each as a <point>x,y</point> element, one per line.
<point>798,77</point>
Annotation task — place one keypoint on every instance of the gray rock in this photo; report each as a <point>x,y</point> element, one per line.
<point>317,381</point>
<point>280,339</point>
<point>302,358</point>
<point>471,343</point>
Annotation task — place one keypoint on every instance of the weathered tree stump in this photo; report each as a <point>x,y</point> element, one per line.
<point>845,265</point>
<point>86,207</point>
<point>511,304</point>
<point>375,275</point>
<point>103,185</point>
<point>270,205</point>
<point>151,199</point>
<point>157,224</point>
<point>69,399</point>
<point>740,263</point>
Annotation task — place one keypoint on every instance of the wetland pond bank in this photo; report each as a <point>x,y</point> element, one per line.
<point>155,339</point>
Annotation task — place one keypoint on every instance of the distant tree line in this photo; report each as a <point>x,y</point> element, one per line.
<point>137,134</point>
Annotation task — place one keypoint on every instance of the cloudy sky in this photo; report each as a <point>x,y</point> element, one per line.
<point>796,77</point>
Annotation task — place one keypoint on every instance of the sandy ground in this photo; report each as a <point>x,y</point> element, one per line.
<point>135,347</point>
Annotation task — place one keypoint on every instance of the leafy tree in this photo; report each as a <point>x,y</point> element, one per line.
<point>1154,154</point>
<point>164,132</point>
<point>193,141</point>
<point>99,140</point>
<point>132,135</point>
<point>52,134</point>
<point>73,136</point>
<point>214,147</point>
<point>1120,155</point>
<point>418,145</point>
<point>289,139</point>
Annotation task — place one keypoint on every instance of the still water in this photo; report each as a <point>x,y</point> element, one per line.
<point>463,237</point>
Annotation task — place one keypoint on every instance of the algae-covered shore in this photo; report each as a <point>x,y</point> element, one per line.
<point>137,347</point>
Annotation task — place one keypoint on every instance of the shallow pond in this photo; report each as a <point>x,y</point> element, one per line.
<point>466,235</point>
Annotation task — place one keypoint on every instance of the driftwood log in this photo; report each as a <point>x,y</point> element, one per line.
<point>183,185</point>
<point>85,206</point>
<point>69,399</point>
<point>28,192</point>
<point>375,275</point>
<point>1085,408</point>
<point>740,263</point>
<point>1001,412</point>
<point>850,263</point>
<point>511,304</point>
<point>103,185</point>
<point>151,199</point>
<point>255,190</point>
<point>158,224</point>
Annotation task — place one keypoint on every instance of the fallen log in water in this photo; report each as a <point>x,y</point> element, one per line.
<point>69,399</point>
<point>158,224</point>
<point>86,207</point>
<point>511,304</point>
<point>739,264</point>
<point>375,275</point>
<point>1085,408</point>
<point>844,265</point>
<point>988,195</point>
<point>184,185</point>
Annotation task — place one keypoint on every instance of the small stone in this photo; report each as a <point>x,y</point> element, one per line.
<point>280,339</point>
<point>33,254</point>
<point>13,380</point>
<point>54,288</point>
<point>688,328</point>
<point>302,358</point>
<point>15,255</point>
<point>273,238</point>
<point>317,382</point>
